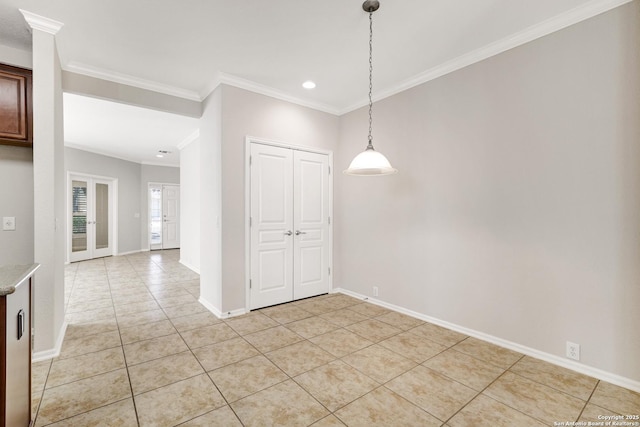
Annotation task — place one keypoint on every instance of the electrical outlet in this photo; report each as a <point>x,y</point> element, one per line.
<point>9,223</point>
<point>375,291</point>
<point>573,350</point>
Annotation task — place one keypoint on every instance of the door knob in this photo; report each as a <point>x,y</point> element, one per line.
<point>298,232</point>
<point>288,233</point>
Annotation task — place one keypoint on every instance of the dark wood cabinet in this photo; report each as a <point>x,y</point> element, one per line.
<point>16,114</point>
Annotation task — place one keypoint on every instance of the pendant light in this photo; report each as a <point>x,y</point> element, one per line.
<point>370,162</point>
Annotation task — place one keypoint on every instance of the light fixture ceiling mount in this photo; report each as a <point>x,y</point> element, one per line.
<point>370,162</point>
<point>370,5</point>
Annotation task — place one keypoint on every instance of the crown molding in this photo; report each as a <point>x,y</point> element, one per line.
<point>100,152</point>
<point>171,165</point>
<point>239,82</point>
<point>544,28</point>
<point>37,22</point>
<point>115,156</point>
<point>125,79</point>
<point>559,22</point>
<point>188,140</point>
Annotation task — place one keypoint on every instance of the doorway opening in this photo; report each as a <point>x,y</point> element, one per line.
<point>164,216</point>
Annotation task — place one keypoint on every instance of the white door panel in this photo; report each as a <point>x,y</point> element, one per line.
<point>271,225</point>
<point>170,216</point>
<point>289,225</point>
<point>311,219</point>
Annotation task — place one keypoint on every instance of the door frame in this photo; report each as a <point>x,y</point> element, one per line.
<point>247,204</point>
<point>113,211</point>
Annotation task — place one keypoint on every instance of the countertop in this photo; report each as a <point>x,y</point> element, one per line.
<point>12,275</point>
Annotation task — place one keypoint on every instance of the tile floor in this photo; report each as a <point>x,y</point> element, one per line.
<point>141,351</point>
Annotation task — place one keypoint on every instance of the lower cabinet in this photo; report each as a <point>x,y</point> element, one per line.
<point>15,346</point>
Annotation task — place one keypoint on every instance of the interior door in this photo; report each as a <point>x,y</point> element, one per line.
<point>91,219</point>
<point>311,224</point>
<point>170,216</point>
<point>271,225</point>
<point>155,216</point>
<point>290,246</point>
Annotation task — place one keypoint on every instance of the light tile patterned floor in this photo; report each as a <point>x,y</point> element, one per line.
<point>141,351</point>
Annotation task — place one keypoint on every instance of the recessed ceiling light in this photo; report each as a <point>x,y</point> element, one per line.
<point>309,85</point>
<point>159,155</point>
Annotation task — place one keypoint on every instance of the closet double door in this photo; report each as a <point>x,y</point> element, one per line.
<point>290,225</point>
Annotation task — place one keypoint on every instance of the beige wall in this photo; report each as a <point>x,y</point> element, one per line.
<point>516,211</point>
<point>129,179</point>
<point>245,114</point>
<point>16,196</point>
<point>16,184</point>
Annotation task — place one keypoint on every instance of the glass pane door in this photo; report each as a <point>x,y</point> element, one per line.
<point>91,224</point>
<point>79,220</point>
<point>155,197</point>
<point>102,216</point>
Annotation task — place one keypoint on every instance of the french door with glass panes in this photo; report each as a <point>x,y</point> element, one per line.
<point>290,225</point>
<point>91,222</point>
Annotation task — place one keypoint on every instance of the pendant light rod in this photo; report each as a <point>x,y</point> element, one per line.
<point>370,162</point>
<point>371,10</point>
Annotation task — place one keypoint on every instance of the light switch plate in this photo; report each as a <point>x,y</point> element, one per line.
<point>9,223</point>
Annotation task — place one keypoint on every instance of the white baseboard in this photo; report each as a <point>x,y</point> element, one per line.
<point>55,351</point>
<point>132,252</point>
<point>218,313</point>
<point>189,266</point>
<point>547,357</point>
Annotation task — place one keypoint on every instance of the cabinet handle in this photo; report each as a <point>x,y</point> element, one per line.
<point>20,324</point>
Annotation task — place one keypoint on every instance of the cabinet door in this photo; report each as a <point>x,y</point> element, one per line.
<point>18,360</point>
<point>15,106</point>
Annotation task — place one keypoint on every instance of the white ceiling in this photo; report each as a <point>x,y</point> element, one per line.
<point>124,131</point>
<point>186,48</point>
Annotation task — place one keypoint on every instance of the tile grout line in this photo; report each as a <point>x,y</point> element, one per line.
<point>588,400</point>
<point>124,355</point>
<point>148,283</point>
<point>485,388</point>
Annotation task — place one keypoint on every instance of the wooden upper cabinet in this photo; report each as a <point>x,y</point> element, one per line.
<point>16,114</point>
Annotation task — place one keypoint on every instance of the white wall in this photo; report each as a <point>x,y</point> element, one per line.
<point>155,174</point>
<point>516,208</point>
<point>16,57</point>
<point>210,188</point>
<point>49,195</point>
<point>16,196</point>
<point>190,205</point>
<point>103,89</point>
<point>246,113</point>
